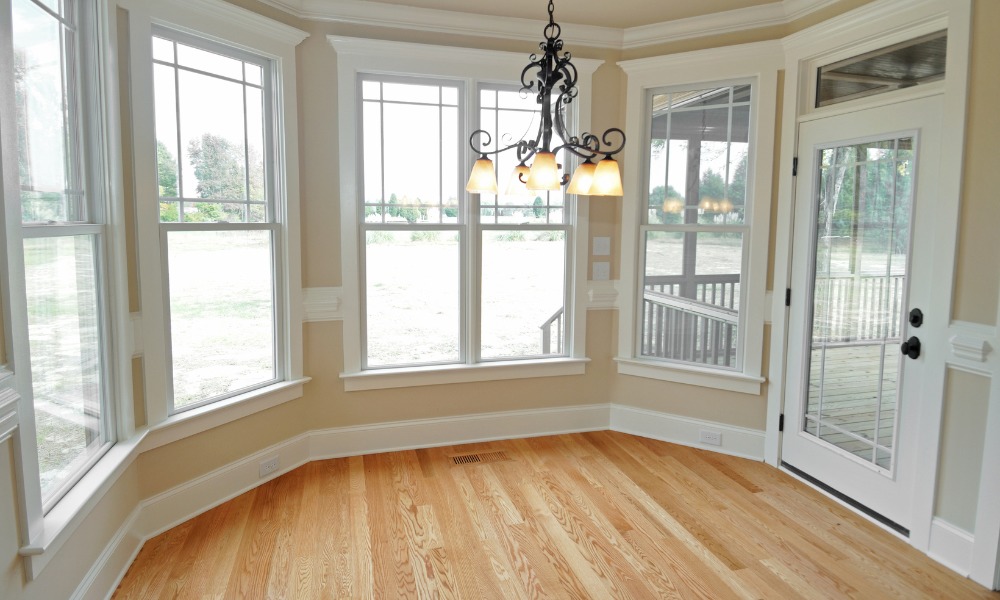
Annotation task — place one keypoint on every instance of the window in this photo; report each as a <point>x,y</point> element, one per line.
<point>448,286</point>
<point>693,300</point>
<point>218,221</point>
<point>695,232</point>
<point>417,230</point>
<point>63,246</point>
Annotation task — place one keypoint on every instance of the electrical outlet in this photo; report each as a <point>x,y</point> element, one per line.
<point>602,271</point>
<point>269,466</point>
<point>710,437</point>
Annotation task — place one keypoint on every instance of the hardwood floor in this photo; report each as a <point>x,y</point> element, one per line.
<point>594,515</point>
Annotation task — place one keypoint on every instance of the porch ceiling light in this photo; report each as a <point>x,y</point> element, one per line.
<point>553,72</point>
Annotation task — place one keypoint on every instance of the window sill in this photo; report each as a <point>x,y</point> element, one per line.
<point>444,374</point>
<point>203,418</point>
<point>691,375</point>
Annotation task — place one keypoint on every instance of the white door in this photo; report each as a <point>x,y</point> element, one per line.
<point>862,252</point>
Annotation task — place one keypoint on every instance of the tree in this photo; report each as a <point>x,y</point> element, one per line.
<point>220,168</point>
<point>658,197</point>
<point>539,211</point>
<point>166,171</point>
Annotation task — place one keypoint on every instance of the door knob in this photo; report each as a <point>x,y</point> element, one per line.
<point>911,347</point>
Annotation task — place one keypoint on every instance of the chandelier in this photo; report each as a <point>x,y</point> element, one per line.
<point>554,74</point>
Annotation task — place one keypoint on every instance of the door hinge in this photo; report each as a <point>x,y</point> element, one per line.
<point>795,166</point>
<point>781,422</point>
<point>788,296</point>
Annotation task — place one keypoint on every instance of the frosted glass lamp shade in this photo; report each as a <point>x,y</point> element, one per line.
<point>607,179</point>
<point>482,180</point>
<point>515,185</point>
<point>544,174</point>
<point>583,178</point>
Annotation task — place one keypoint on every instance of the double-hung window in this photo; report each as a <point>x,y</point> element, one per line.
<point>57,247</point>
<point>693,301</point>
<point>219,225</point>
<point>446,285</point>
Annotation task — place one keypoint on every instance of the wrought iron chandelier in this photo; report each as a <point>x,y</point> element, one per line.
<point>553,70</point>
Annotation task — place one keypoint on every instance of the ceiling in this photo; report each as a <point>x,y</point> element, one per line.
<point>621,14</point>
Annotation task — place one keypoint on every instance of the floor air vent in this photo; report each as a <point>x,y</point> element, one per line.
<point>484,457</point>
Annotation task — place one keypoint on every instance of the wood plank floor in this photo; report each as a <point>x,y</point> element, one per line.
<point>593,515</point>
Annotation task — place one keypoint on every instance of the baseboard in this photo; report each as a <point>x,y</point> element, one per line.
<point>110,567</point>
<point>951,546</point>
<point>448,431</point>
<point>736,441</point>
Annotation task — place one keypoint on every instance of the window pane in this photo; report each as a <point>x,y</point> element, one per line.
<point>523,293</point>
<point>402,187</point>
<point>47,133</point>
<point>211,62</point>
<point>412,297</point>
<point>221,312</point>
<point>163,50</point>
<point>210,149</point>
<point>691,296</point>
<point>64,337</point>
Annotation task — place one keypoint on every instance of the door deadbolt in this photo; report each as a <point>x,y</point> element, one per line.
<point>916,317</point>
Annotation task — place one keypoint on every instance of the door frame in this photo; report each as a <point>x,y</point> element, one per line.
<point>870,27</point>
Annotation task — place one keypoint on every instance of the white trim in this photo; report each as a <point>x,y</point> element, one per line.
<point>971,341</point>
<point>603,295</point>
<point>101,579</point>
<point>322,304</point>
<point>736,441</point>
<point>210,416</point>
<point>379,379</point>
<point>719,379</point>
<point>951,546</point>
<point>242,18</point>
<point>381,14</point>
<point>760,61</point>
<point>73,509</point>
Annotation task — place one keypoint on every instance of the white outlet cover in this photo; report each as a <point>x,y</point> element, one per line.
<point>602,246</point>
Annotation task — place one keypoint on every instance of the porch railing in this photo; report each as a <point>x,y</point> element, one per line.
<point>698,324</point>
<point>553,324</point>
<point>853,308</point>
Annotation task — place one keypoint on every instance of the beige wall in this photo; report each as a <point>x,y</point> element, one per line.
<point>977,279</point>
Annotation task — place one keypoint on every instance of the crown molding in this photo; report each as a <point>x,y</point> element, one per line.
<point>378,14</point>
<point>246,19</point>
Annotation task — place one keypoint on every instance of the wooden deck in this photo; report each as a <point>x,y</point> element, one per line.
<point>850,399</point>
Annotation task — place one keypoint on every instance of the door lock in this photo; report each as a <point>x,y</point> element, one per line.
<point>916,317</point>
<point>911,347</point>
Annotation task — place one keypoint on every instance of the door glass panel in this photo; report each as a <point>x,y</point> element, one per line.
<point>862,243</point>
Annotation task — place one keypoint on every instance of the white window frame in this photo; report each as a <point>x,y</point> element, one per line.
<point>472,66</point>
<point>259,36</point>
<point>759,63</point>
<point>272,223</point>
<point>45,526</point>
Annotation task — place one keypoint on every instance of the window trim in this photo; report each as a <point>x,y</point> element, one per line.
<point>760,63</point>
<point>360,55</point>
<point>261,39</point>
